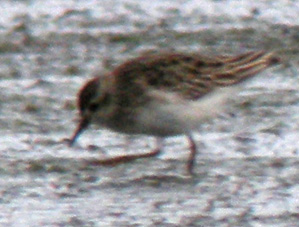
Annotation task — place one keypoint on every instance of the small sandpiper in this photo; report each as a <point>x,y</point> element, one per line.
<point>164,94</point>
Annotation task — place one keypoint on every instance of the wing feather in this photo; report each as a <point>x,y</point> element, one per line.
<point>190,75</point>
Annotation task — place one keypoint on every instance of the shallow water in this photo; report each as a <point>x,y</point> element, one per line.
<point>247,170</point>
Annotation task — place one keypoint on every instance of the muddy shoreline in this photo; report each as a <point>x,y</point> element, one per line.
<point>247,167</point>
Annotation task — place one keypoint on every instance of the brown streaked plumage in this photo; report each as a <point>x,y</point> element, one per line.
<point>164,94</point>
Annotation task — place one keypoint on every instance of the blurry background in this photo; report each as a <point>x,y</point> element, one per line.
<point>247,171</point>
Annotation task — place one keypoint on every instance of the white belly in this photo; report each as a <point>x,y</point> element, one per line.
<point>168,114</point>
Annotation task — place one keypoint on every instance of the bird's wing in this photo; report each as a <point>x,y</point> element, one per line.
<point>190,75</point>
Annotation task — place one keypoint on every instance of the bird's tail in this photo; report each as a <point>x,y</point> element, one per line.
<point>239,68</point>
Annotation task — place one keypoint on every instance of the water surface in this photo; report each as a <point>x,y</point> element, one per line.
<point>247,171</point>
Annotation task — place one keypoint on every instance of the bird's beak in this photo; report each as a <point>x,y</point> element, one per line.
<point>83,124</point>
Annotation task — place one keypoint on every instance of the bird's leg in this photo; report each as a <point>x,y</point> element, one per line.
<point>128,158</point>
<point>191,160</point>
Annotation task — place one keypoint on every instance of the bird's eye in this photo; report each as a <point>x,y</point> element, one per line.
<point>105,100</point>
<point>93,106</point>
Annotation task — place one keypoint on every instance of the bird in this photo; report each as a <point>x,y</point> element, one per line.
<point>165,94</point>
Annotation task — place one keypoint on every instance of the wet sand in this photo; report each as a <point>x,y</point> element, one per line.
<point>246,171</point>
